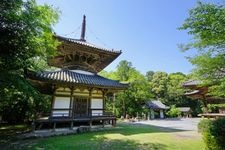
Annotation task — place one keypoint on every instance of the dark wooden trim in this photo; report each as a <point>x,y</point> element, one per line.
<point>89,102</point>
<point>71,102</point>
<point>96,97</point>
<point>97,109</point>
<point>103,99</point>
<point>55,109</point>
<point>53,103</point>
<point>61,95</point>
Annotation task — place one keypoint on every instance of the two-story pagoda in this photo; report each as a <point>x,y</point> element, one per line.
<point>78,92</point>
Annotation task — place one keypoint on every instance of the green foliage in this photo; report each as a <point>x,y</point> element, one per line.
<point>174,85</point>
<point>175,90</point>
<point>26,41</point>
<point>173,112</point>
<point>203,125</point>
<point>124,70</point>
<point>158,84</point>
<point>149,75</point>
<point>167,88</point>
<point>20,101</point>
<point>214,134</point>
<point>215,107</point>
<point>26,34</point>
<point>131,100</point>
<point>206,24</point>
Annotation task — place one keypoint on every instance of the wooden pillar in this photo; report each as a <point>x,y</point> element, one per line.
<point>71,125</point>
<point>90,123</point>
<point>113,122</point>
<point>103,100</point>
<point>103,123</point>
<point>54,126</point>
<point>89,102</point>
<point>33,126</point>
<point>71,112</point>
<point>53,101</point>
<point>205,104</point>
<point>52,106</point>
<point>114,100</point>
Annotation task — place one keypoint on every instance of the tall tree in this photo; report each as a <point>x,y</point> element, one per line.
<point>123,70</point>
<point>26,34</point>
<point>131,100</point>
<point>206,24</point>
<point>149,75</point>
<point>26,39</point>
<point>158,84</point>
<point>175,90</point>
<point>174,85</point>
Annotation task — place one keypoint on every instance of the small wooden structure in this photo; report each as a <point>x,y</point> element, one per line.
<point>196,91</point>
<point>156,106</point>
<point>185,111</point>
<point>212,115</point>
<point>78,92</point>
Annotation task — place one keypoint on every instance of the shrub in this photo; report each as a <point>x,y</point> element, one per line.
<point>203,125</point>
<point>173,112</point>
<point>214,134</point>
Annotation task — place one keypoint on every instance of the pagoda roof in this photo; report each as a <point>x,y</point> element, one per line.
<point>198,91</point>
<point>85,43</point>
<point>72,77</point>
<point>79,54</point>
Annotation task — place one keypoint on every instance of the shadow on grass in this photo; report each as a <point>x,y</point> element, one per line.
<point>95,140</point>
<point>10,132</point>
<point>126,144</point>
<point>133,128</point>
<point>86,142</point>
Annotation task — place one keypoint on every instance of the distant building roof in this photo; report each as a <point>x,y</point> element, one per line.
<point>184,109</point>
<point>156,104</point>
<point>191,83</point>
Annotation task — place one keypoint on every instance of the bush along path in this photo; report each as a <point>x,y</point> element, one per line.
<point>213,132</point>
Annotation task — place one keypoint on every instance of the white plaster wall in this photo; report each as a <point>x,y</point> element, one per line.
<point>97,104</point>
<point>61,102</point>
<point>161,114</point>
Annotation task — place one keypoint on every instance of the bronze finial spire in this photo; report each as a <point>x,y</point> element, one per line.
<point>82,36</point>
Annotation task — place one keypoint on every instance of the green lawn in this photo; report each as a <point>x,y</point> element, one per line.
<point>125,137</point>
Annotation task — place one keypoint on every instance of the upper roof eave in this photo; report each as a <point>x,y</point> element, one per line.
<point>84,43</point>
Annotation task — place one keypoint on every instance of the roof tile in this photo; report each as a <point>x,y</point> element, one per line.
<point>69,76</point>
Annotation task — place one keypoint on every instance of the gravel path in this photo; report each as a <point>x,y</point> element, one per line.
<point>181,124</point>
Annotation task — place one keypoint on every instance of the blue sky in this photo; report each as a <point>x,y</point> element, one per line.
<point>145,30</point>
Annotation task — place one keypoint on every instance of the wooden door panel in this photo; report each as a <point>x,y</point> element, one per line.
<point>80,107</point>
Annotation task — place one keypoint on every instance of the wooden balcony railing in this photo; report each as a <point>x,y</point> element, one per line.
<point>69,113</point>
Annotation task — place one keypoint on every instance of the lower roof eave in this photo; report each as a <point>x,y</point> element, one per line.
<point>68,84</point>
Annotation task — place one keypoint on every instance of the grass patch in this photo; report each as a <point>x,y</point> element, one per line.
<point>128,136</point>
<point>8,133</point>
